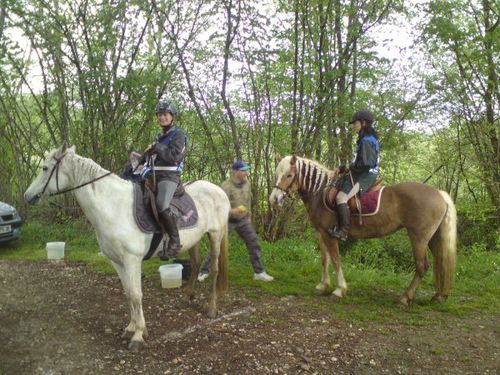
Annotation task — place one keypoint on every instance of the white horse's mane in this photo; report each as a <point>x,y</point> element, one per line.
<point>85,168</point>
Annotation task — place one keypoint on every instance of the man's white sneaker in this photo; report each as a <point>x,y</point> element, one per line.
<point>202,276</point>
<point>263,276</point>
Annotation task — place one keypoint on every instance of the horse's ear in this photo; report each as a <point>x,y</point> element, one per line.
<point>277,158</point>
<point>293,166</point>
<point>65,148</point>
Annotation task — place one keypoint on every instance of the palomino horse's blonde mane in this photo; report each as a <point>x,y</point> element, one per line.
<point>312,175</point>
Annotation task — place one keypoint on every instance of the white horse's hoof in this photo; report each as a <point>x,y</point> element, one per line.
<point>135,346</point>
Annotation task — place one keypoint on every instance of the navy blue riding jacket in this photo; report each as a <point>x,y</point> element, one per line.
<point>364,167</point>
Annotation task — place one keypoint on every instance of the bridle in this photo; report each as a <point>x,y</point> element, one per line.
<point>288,189</point>
<point>56,170</point>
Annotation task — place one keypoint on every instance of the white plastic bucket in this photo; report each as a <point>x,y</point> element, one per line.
<point>171,275</point>
<point>55,250</point>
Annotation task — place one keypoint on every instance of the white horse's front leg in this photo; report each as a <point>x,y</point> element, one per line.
<point>214,271</point>
<point>130,276</point>
<point>324,285</point>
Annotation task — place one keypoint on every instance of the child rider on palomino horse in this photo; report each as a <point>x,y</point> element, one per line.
<point>163,161</point>
<point>364,170</point>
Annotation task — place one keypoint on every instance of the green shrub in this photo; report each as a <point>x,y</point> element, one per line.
<point>478,224</point>
<point>391,254</point>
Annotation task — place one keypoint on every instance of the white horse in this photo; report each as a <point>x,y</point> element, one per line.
<point>107,201</point>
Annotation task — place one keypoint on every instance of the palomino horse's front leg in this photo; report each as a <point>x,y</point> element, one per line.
<point>130,276</point>
<point>332,247</point>
<point>323,287</point>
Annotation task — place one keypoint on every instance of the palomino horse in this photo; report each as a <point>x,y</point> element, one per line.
<point>107,201</point>
<point>427,214</point>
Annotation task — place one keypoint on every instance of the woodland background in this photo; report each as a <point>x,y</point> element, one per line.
<point>257,80</point>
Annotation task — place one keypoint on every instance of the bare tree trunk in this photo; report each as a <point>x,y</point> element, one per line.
<point>232,30</point>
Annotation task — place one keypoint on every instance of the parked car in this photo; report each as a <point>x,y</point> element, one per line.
<point>10,223</point>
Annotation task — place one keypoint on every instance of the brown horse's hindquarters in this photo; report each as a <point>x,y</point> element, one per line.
<point>417,207</point>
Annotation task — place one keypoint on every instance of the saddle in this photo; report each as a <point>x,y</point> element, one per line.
<point>182,206</point>
<point>368,201</point>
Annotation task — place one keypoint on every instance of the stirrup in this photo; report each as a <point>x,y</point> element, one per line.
<point>336,233</point>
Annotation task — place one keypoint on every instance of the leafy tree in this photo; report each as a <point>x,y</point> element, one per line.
<point>462,39</point>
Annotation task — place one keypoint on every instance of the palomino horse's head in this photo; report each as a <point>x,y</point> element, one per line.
<point>286,180</point>
<point>51,180</point>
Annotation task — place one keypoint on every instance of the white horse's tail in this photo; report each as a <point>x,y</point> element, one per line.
<point>444,248</point>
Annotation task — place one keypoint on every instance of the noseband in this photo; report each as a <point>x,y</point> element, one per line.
<point>56,170</point>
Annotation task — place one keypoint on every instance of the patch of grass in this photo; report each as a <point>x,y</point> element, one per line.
<point>373,286</point>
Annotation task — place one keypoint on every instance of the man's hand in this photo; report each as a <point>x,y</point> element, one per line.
<point>239,211</point>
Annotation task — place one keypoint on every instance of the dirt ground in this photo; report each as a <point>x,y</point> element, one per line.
<point>58,318</point>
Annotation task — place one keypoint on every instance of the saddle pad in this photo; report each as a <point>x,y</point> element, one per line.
<point>370,202</point>
<point>182,206</point>
<point>185,210</point>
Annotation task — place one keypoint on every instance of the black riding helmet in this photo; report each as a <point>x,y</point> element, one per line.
<point>164,107</point>
<point>362,115</point>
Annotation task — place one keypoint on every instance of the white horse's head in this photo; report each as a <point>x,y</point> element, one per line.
<point>53,177</point>
<point>286,180</point>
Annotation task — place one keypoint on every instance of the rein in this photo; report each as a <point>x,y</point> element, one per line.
<point>56,169</point>
<point>81,185</point>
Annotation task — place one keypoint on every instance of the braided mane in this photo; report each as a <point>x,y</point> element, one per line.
<point>312,175</point>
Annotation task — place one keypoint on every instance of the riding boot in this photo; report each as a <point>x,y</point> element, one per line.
<point>343,221</point>
<point>174,242</point>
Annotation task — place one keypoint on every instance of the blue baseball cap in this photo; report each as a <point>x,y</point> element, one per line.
<point>240,166</point>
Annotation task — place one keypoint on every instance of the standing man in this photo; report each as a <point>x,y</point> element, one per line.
<point>237,189</point>
<point>163,162</point>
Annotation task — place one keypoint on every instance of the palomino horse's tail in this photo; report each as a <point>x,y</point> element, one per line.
<point>223,274</point>
<point>444,249</point>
